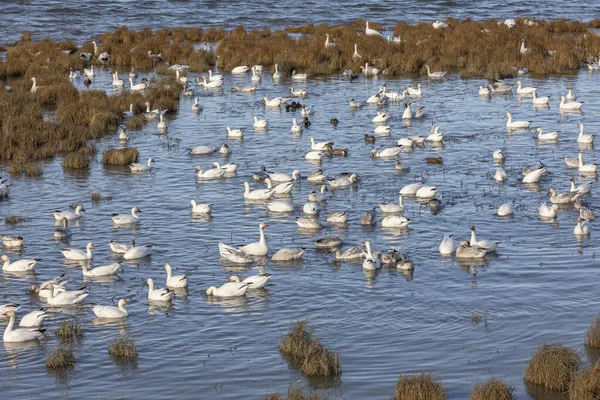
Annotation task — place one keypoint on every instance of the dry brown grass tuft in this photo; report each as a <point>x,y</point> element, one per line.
<point>15,220</point>
<point>120,156</point>
<point>592,338</point>
<point>123,347</point>
<point>61,357</point>
<point>423,386</point>
<point>553,366</point>
<point>76,160</point>
<point>492,389</point>
<point>295,393</point>
<point>586,384</point>
<point>308,354</point>
<point>69,331</point>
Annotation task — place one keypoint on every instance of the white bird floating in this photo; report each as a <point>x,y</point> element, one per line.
<point>229,289</point>
<point>12,335</point>
<point>571,105</point>
<point>140,167</point>
<point>177,281</point>
<point>447,246</point>
<point>583,227</point>
<point>164,295</point>
<point>102,271</point>
<point>124,219</point>
<point>137,252</point>
<point>582,138</point>
<point>200,208</point>
<point>515,125</point>
<point>255,281</point>
<point>22,265</point>
<point>59,215</point>
<point>484,244</point>
<point>78,255</point>
<point>110,312</point>
<point>64,298</point>
<point>436,74</point>
<point>506,209</point>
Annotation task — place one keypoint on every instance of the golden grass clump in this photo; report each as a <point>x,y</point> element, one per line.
<point>123,347</point>
<point>592,338</point>
<point>306,352</point>
<point>120,156</point>
<point>492,389</point>
<point>295,393</point>
<point>30,170</point>
<point>586,384</point>
<point>69,331</point>
<point>61,357</point>
<point>553,366</point>
<point>15,220</point>
<point>76,160</point>
<point>423,386</point>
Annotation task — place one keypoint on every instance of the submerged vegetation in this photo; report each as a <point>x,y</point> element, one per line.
<point>68,331</point>
<point>553,366</point>
<point>61,357</point>
<point>123,347</point>
<point>308,354</point>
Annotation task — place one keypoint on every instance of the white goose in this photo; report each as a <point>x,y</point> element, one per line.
<point>310,209</point>
<point>590,168</point>
<point>436,136</point>
<point>200,208</point>
<point>253,282</point>
<point>79,255</point>
<point>524,50</point>
<point>60,298</point>
<point>435,75</point>
<point>137,252</point>
<point>582,138</point>
<point>319,146</point>
<point>259,248</point>
<point>235,133</point>
<point>390,152</point>
<point>276,74</point>
<point>209,174</point>
<point>283,177</point>
<point>229,289</point>
<point>209,84</point>
<point>395,221</point>
<point>318,197</point>
<point>124,219</point>
<point>525,91</point>
<point>584,188</point>
<point>59,286</point>
<point>123,135</point>
<point>73,74</point>
<point>499,155</point>
<point>181,79</point>
<point>383,130</point>
<point>110,312</point>
<point>130,113</point>
<point>19,265</point>
<point>282,188</point>
<point>197,107</point>
<point>484,244</point>
<point>583,227</point>
<point>200,150</point>
<point>535,175</point>
<point>275,102</point>
<point>116,81</point>
<point>370,263</point>
<point>104,270</point>
<point>562,198</point>
<point>260,123</point>
<point>540,101</point>
<point>411,189</point>
<point>214,77</point>
<point>506,209</point>
<point>287,255</point>
<point>426,192</point>
<point>467,251</point>
<point>140,167</point>
<point>500,175</point>
<point>230,168</point>
<point>484,91</point>
<point>352,254</point>
<point>258,194</point>
<point>328,44</point>
<point>343,181</point>
<point>280,207</point>
<point>158,294</point>
<point>138,87</point>
<point>571,105</point>
<point>308,223</point>
<point>371,31</point>
<point>234,255</point>
<point>119,248</point>
<point>570,96</point>
<point>12,242</point>
<point>548,136</point>
<point>447,246</point>
<point>514,125</point>
<point>70,215</point>
<point>381,117</point>
<point>392,208</point>
<point>34,319</point>
<point>177,281</point>
<point>295,127</point>
<point>89,72</point>
<point>241,69</point>
<point>547,211</point>
<point>414,92</point>
<point>255,76</point>
<point>339,217</point>
<point>299,77</point>
<point>12,335</point>
<point>162,124</point>
<point>356,56</point>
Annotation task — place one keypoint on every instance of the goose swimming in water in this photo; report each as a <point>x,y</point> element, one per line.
<point>582,138</point>
<point>124,219</point>
<point>209,174</point>
<point>500,175</point>
<point>22,265</point>
<point>233,255</point>
<point>259,248</point>
<point>515,125</point>
<point>589,168</point>
<point>308,223</point>
<point>287,255</point>
<point>158,294</point>
<point>229,289</point>
<point>391,208</point>
<point>562,198</point>
<point>19,335</point>
<point>200,208</point>
<point>547,211</point>
<point>12,242</point>
<point>583,227</point>
<point>525,91</point>
<point>253,282</point>
<point>506,209</point>
<point>535,175</point>
<point>59,215</point>
<point>258,194</point>
<point>436,74</point>
<point>447,246</point>
<point>75,254</point>
<point>104,270</point>
<point>467,251</point>
<point>63,298</point>
<point>570,96</point>
<point>175,281</point>
<point>140,167</point>
<point>484,244</point>
<point>570,106</point>
<point>548,136</point>
<point>370,263</point>
<point>584,188</point>
<point>110,312</point>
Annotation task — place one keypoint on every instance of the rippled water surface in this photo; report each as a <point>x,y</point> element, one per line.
<point>79,20</point>
<point>541,285</point>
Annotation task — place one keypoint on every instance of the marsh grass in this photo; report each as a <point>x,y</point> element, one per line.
<point>61,358</point>
<point>308,354</point>
<point>69,331</point>
<point>492,389</point>
<point>592,338</point>
<point>553,366</point>
<point>16,220</point>
<point>586,384</point>
<point>423,386</point>
<point>97,197</point>
<point>120,156</point>
<point>123,347</point>
<point>76,160</point>
<point>295,393</point>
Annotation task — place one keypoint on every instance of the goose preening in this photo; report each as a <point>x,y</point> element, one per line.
<point>104,270</point>
<point>570,96</point>
<point>584,188</point>
<point>547,211</point>
<point>308,223</point>
<point>484,244</point>
<point>209,174</point>
<point>447,246</point>
<point>137,252</point>
<point>318,197</point>
<point>70,215</point>
<point>570,105</point>
<point>586,213</point>
<point>426,192</point>
<point>392,208</point>
<point>282,188</point>
<point>355,104</point>
<point>436,74</point>
<point>516,125</point>
<point>22,265</point>
<point>535,175</point>
<point>158,294</point>
<point>241,69</point>
<point>253,282</point>
<point>200,208</point>
<point>371,31</point>
<point>381,117</point>
<point>316,177</point>
<point>258,194</point>
<point>583,138</point>
<point>436,136</point>
<point>548,136</point>
<point>280,207</point>
<point>125,219</point>
<point>111,312</point>
<point>120,248</point>
<point>506,209</point>
<point>589,168</point>
<point>176,281</point>
<point>197,107</point>
<point>562,198</point>
<point>287,255</point>
<point>500,175</point>
<point>79,255</point>
<point>12,242</point>
<point>369,217</point>
<point>583,227</point>
<point>17,335</point>
<point>467,251</point>
<point>59,283</point>
<point>141,167</point>
<point>414,92</point>
<point>64,298</point>
<point>351,254</point>
<point>123,137</point>
<point>404,264</point>
<point>370,263</point>
<point>229,289</point>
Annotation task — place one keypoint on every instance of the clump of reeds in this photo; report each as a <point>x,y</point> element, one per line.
<point>69,331</point>
<point>97,197</point>
<point>76,160</point>
<point>423,386</point>
<point>592,338</point>
<point>295,393</point>
<point>553,366</point>
<point>120,156</point>
<point>61,357</point>
<point>492,389</point>
<point>31,170</point>
<point>15,220</point>
<point>124,348</point>
<point>586,384</point>
<point>306,351</point>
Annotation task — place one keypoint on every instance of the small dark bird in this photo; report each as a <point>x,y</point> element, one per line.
<point>306,123</point>
<point>334,121</point>
<point>434,160</point>
<point>369,138</point>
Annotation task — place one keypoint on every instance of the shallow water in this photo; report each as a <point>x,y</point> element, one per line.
<point>540,286</point>
<point>76,20</point>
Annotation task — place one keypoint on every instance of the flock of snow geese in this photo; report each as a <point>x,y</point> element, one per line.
<point>56,293</point>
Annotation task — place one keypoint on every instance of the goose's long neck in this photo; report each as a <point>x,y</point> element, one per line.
<point>246,189</point>
<point>581,130</point>
<point>6,263</point>
<point>401,201</point>
<point>269,184</point>
<point>9,327</point>
<point>168,273</point>
<point>51,293</point>
<point>263,241</point>
<point>580,159</point>
<point>368,244</point>
<point>509,118</point>
<point>122,308</point>
<point>131,83</point>
<point>89,253</point>
<point>149,162</point>
<point>84,267</point>
<point>134,213</point>
<point>473,237</point>
<point>150,285</point>
<point>573,188</point>
<point>522,49</point>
